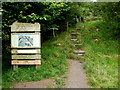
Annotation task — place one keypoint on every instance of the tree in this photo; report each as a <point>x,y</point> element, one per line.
<point>45,13</point>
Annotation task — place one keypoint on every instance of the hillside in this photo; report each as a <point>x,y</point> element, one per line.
<point>101,63</point>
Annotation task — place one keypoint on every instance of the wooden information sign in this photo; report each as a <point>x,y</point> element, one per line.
<point>25,44</point>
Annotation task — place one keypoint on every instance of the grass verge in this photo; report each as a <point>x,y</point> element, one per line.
<point>101,59</point>
<point>54,63</point>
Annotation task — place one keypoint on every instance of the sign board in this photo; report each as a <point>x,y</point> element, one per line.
<point>22,27</point>
<point>25,44</point>
<point>25,40</point>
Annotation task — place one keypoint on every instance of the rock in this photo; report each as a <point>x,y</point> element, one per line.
<point>58,44</point>
<point>97,29</point>
<point>83,27</point>
<point>96,38</point>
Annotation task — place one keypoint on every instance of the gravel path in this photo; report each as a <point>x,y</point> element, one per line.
<point>76,75</point>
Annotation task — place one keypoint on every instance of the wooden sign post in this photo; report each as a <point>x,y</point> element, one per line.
<point>25,44</point>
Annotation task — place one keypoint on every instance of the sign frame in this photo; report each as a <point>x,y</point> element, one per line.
<point>25,44</point>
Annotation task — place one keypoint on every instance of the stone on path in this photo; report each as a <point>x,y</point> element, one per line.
<point>76,75</point>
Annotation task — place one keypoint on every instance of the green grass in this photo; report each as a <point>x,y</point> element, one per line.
<point>54,63</point>
<point>60,82</point>
<point>101,59</point>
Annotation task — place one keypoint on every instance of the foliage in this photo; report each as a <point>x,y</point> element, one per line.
<point>109,11</point>
<point>48,14</point>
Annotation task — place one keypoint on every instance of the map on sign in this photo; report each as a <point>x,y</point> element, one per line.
<point>25,40</point>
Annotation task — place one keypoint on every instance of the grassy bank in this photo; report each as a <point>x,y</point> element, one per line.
<point>101,59</point>
<point>54,63</point>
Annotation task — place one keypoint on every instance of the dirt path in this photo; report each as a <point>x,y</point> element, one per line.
<point>76,75</point>
<point>76,78</point>
<point>46,83</point>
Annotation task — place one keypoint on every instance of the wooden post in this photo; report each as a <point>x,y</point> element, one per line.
<point>37,67</point>
<point>15,67</point>
<point>80,19</point>
<point>67,26</point>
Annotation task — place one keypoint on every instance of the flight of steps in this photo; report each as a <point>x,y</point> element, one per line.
<point>77,44</point>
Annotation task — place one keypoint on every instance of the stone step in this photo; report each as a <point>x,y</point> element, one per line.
<point>75,33</point>
<point>73,36</point>
<point>58,44</point>
<point>78,30</point>
<point>74,39</point>
<point>79,51</point>
<point>77,44</point>
<point>78,55</point>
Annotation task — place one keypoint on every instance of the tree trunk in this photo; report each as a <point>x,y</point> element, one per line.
<point>77,20</point>
<point>67,26</point>
<point>80,19</point>
<point>53,33</point>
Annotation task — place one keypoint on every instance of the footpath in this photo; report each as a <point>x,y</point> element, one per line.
<point>76,76</point>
